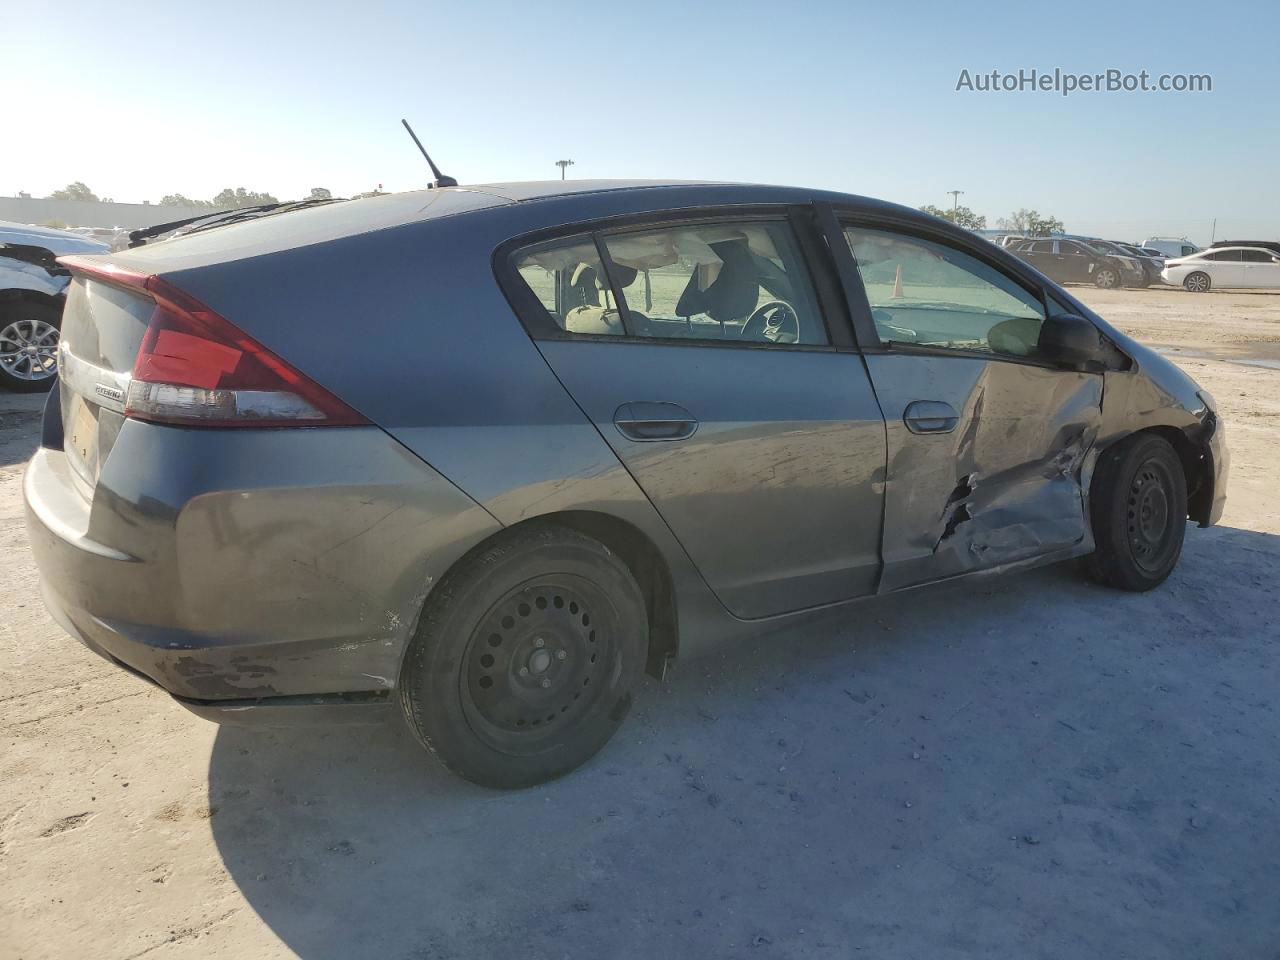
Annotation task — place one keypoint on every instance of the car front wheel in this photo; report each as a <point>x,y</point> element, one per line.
<point>526,657</point>
<point>1197,282</point>
<point>29,346</point>
<point>1106,278</point>
<point>1138,507</point>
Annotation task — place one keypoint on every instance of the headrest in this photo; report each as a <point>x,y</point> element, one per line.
<point>733,294</point>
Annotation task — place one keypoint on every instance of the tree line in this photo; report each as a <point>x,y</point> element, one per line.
<point>228,199</point>
<point>1029,223</point>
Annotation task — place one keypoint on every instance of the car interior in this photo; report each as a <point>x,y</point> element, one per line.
<point>739,282</point>
<point>929,294</point>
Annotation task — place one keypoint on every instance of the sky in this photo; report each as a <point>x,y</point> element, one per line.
<point>141,99</point>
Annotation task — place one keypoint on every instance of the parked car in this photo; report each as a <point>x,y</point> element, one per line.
<point>1171,246</point>
<point>1081,261</point>
<point>1226,268</point>
<point>1271,245</point>
<point>1152,261</point>
<point>114,237</point>
<point>608,425</point>
<point>32,290</point>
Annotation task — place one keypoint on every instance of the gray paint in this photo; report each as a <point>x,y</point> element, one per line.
<point>295,562</point>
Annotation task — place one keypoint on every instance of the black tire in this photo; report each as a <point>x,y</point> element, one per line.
<point>19,320</point>
<point>1138,505</point>
<point>1106,278</point>
<point>1198,282</point>
<point>525,658</point>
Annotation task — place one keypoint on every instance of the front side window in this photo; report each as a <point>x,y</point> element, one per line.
<point>929,294</point>
<point>1255,256</point>
<point>741,282</point>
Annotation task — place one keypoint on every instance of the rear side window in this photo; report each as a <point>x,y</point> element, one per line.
<point>724,281</point>
<point>1230,256</point>
<point>568,279</point>
<point>933,295</point>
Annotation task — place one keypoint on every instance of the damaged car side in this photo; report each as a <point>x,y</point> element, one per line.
<point>621,424</point>
<point>33,289</point>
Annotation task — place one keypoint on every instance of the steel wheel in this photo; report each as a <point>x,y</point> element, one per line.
<point>526,656</point>
<point>1197,282</point>
<point>538,660</point>
<point>1106,278</point>
<point>1138,511</point>
<point>29,350</point>
<point>1149,513</point>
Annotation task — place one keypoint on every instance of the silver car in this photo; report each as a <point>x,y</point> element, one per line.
<point>488,453</point>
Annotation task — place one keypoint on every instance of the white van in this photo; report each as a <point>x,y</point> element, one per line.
<point>1171,246</point>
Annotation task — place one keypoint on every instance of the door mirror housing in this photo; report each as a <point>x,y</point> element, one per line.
<point>1072,341</point>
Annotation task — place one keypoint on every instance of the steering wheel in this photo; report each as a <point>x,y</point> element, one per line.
<point>775,321</point>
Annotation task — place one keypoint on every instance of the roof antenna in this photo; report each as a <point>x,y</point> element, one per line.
<point>440,179</point>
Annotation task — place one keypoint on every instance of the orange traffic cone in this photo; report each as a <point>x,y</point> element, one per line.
<point>897,284</point>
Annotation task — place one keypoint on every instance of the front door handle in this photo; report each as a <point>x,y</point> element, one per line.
<point>930,416</point>
<point>648,420</point>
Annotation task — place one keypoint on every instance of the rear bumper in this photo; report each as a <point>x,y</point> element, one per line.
<point>247,570</point>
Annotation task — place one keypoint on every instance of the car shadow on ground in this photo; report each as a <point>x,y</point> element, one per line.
<point>1019,766</point>
<point>20,415</point>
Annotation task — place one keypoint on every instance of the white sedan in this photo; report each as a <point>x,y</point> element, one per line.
<point>1224,267</point>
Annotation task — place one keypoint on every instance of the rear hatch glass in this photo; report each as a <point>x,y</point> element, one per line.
<point>102,328</point>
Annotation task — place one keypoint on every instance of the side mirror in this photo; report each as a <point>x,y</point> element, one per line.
<point>1071,340</point>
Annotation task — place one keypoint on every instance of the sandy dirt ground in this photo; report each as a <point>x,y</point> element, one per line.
<point>1021,767</point>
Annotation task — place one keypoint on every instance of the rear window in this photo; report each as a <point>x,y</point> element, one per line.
<point>103,324</point>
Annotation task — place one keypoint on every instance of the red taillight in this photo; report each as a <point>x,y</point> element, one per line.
<point>196,368</point>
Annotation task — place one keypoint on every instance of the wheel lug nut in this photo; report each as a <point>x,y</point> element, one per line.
<point>539,642</point>
<point>524,671</point>
<point>546,683</point>
<point>560,655</point>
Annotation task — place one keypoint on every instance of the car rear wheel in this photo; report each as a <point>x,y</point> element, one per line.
<point>1106,278</point>
<point>29,346</point>
<point>1197,282</point>
<point>1138,505</point>
<point>526,657</point>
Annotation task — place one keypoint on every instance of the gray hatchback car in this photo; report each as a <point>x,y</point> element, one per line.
<point>491,452</point>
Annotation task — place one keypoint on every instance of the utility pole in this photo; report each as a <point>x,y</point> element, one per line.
<point>562,164</point>
<point>1214,236</point>
<point>955,199</point>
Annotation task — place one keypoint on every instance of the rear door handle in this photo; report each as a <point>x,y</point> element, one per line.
<point>649,420</point>
<point>930,416</point>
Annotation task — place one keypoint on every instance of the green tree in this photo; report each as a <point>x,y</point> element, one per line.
<point>74,191</point>
<point>1043,226</point>
<point>320,193</point>
<point>180,200</point>
<point>240,197</point>
<point>960,216</point>
<point>1030,223</point>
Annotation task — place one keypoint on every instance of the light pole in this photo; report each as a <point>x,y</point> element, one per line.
<point>563,164</point>
<point>955,199</point>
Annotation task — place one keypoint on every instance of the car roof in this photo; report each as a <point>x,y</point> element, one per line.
<point>570,201</point>
<point>523,190</point>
